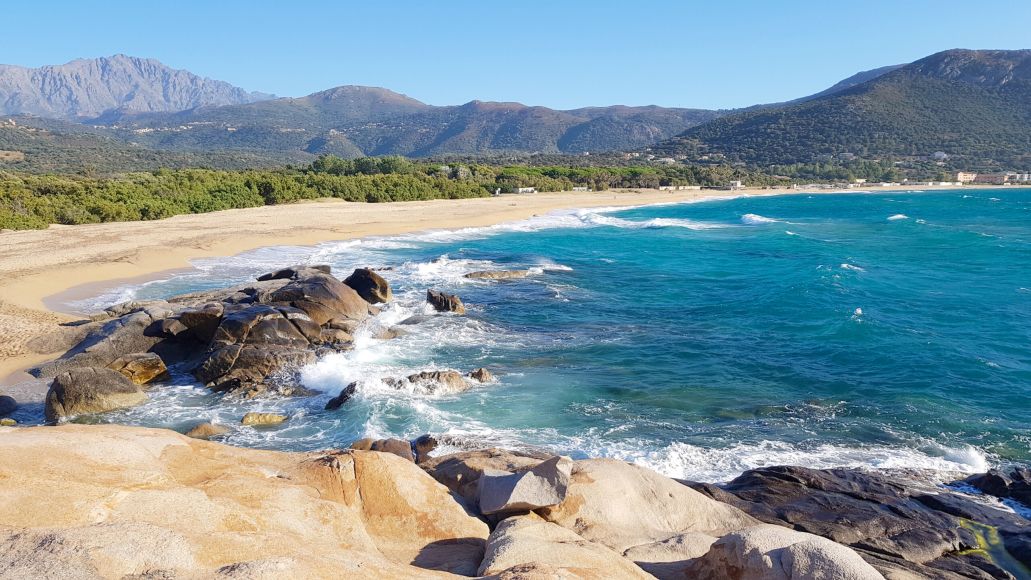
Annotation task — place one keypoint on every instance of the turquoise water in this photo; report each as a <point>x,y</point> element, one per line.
<point>885,330</point>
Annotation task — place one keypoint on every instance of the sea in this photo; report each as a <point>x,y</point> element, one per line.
<point>860,329</point>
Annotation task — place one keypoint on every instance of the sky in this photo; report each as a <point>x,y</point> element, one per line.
<point>560,54</point>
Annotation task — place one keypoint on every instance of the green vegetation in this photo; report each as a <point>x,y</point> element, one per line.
<point>35,201</point>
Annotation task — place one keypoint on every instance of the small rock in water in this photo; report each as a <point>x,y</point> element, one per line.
<point>7,422</point>
<point>207,431</point>
<point>257,419</point>
<point>482,375</point>
<point>344,396</point>
<point>442,302</point>
<point>370,286</point>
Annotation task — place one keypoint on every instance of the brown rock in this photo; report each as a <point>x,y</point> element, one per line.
<point>140,368</point>
<point>207,431</point>
<point>370,286</point>
<point>262,419</point>
<point>344,396</point>
<point>442,302</point>
<point>202,321</point>
<point>323,298</point>
<point>296,272</point>
<point>390,333</point>
<point>424,445</point>
<point>397,447</point>
<point>461,472</point>
<point>433,382</point>
<point>481,375</point>
<point>90,390</point>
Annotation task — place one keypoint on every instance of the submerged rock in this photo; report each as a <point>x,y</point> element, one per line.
<point>140,368</point>
<point>442,302</point>
<point>259,419</point>
<point>90,390</point>
<point>498,274</point>
<point>370,286</point>
<point>207,431</point>
<point>541,486</point>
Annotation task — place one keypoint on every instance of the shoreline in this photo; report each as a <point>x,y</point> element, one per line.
<point>41,268</point>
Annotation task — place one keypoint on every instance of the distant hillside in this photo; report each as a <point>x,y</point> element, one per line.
<point>973,105</point>
<point>87,88</point>
<point>352,121</point>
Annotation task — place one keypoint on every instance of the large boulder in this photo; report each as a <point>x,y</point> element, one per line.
<point>370,286</point>
<point>528,540</point>
<point>323,298</point>
<point>296,272</point>
<point>134,332</point>
<point>442,302</point>
<point>140,368</point>
<point>90,390</point>
<point>461,472</point>
<point>541,486</point>
<point>1014,485</point>
<point>626,506</point>
<point>201,321</point>
<point>109,501</point>
<point>776,553</point>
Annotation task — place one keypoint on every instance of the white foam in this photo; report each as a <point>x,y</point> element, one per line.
<point>897,217</point>
<point>604,220</point>
<point>754,219</point>
<point>853,267</point>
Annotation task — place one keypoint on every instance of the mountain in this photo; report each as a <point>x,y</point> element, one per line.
<point>974,105</point>
<point>87,88</point>
<point>353,121</point>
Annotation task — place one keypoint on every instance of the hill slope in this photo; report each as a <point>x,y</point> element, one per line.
<point>87,88</point>
<point>973,105</point>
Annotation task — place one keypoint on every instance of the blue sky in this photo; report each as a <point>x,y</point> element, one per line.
<point>558,54</point>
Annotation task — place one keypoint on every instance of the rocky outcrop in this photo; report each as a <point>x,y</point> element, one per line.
<point>115,502</point>
<point>442,302</point>
<point>777,553</point>
<point>554,551</point>
<point>432,382</point>
<point>461,472</point>
<point>140,368</point>
<point>370,286</point>
<point>1015,485</point>
<point>398,447</point>
<point>296,272</point>
<point>897,530</point>
<point>90,390</point>
<point>481,375</point>
<point>543,485</point>
<point>498,274</point>
<point>7,405</point>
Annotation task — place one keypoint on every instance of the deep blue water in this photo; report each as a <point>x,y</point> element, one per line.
<point>887,330</point>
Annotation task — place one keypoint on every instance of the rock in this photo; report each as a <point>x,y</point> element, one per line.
<point>397,447</point>
<point>345,324</point>
<point>7,405</point>
<point>323,298</point>
<point>498,274</point>
<point>261,419</point>
<point>622,506</point>
<point>7,422</point>
<point>344,396</point>
<point>777,553</point>
<point>296,272</point>
<point>670,558</point>
<point>432,382</point>
<point>140,368</point>
<point>481,375</point>
<point>442,302</point>
<point>424,445</point>
<point>889,527</point>
<point>334,336</point>
<point>90,390</point>
<point>389,333</point>
<point>461,472</point>
<point>370,286</point>
<point>135,332</point>
<point>542,486</point>
<point>202,321</point>
<point>207,431</point>
<point>109,501</point>
<point>529,540</point>
<point>1016,485</point>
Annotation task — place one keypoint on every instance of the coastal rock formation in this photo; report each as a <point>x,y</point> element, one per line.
<point>140,368</point>
<point>432,382</point>
<point>1015,485</point>
<point>207,431</point>
<point>398,447</point>
<point>114,502</point>
<point>895,529</point>
<point>498,274</point>
<point>370,286</point>
<point>543,485</point>
<point>777,553</point>
<point>296,272</point>
<point>461,472</point>
<point>90,390</point>
<point>442,302</point>
<point>528,540</point>
<point>481,375</point>
<point>344,396</point>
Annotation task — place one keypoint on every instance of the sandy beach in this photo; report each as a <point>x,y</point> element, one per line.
<point>36,264</point>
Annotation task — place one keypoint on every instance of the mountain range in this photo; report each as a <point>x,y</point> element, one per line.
<point>974,105</point>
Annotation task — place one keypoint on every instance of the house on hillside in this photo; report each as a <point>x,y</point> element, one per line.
<point>966,177</point>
